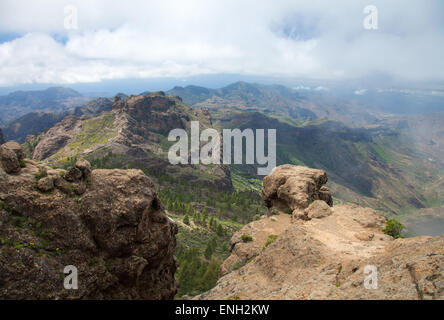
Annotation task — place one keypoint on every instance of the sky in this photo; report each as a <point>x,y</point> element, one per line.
<point>135,39</point>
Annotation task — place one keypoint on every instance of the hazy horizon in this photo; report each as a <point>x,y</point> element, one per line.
<point>102,43</point>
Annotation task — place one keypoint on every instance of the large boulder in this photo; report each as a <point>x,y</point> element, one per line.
<point>318,209</point>
<point>85,167</point>
<point>293,188</point>
<point>116,234</point>
<point>73,174</point>
<point>11,155</point>
<point>16,148</point>
<point>45,184</point>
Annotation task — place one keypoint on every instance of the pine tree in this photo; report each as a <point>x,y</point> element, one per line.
<point>220,229</point>
<point>204,215</point>
<point>208,251</point>
<point>219,213</point>
<point>209,279</point>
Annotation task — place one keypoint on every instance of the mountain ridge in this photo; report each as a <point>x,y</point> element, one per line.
<point>53,99</point>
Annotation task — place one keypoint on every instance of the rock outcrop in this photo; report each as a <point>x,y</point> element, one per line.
<point>109,224</point>
<point>11,157</point>
<point>333,253</point>
<point>293,188</point>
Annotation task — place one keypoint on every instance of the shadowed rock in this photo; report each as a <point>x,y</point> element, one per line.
<point>116,234</point>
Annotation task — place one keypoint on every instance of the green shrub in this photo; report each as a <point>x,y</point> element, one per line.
<point>271,238</point>
<point>19,222</point>
<point>41,174</point>
<point>393,228</point>
<point>237,265</point>
<point>186,220</point>
<point>22,163</point>
<point>246,238</point>
<point>6,207</point>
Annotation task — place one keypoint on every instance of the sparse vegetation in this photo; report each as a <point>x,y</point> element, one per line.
<point>246,238</point>
<point>393,228</point>
<point>271,238</point>
<point>238,265</point>
<point>40,174</point>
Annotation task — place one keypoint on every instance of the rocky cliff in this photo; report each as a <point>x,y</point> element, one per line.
<point>109,224</point>
<point>322,252</point>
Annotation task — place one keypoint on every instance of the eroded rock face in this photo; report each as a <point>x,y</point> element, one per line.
<point>57,137</point>
<point>326,255</point>
<point>293,188</point>
<point>116,234</point>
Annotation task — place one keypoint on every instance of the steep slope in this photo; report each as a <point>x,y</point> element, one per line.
<point>38,122</point>
<point>55,99</point>
<point>29,124</point>
<point>109,224</point>
<point>133,134</point>
<point>326,253</point>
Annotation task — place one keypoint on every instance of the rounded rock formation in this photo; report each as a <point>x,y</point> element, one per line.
<point>9,160</point>
<point>291,187</point>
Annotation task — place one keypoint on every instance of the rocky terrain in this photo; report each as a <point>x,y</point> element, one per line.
<point>109,224</point>
<point>134,133</point>
<point>392,163</point>
<point>315,251</point>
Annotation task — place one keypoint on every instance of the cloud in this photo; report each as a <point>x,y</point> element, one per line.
<point>149,39</point>
<point>361,92</point>
<point>302,88</point>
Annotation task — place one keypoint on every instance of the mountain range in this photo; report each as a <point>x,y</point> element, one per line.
<point>54,99</point>
<point>391,162</point>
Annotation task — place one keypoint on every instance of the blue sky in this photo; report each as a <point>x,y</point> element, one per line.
<point>280,39</point>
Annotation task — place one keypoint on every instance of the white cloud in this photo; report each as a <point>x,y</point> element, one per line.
<point>287,38</point>
<point>361,92</point>
<point>302,88</point>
